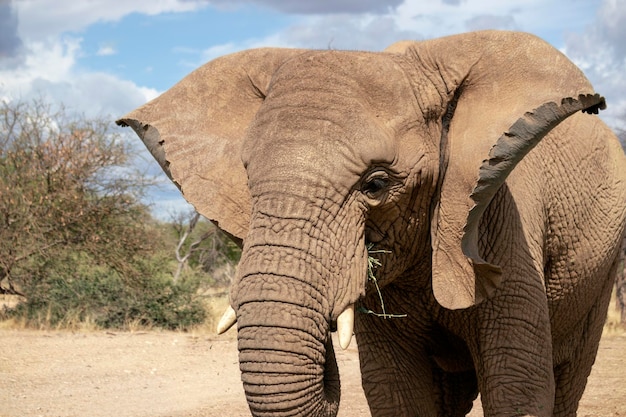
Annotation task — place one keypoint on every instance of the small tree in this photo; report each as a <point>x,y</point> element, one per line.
<point>64,181</point>
<point>184,249</point>
<point>201,246</point>
<point>75,241</point>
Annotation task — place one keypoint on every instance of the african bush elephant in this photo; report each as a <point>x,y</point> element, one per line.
<point>465,165</point>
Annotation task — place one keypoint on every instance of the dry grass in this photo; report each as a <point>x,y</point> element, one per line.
<point>216,302</point>
<point>72,323</point>
<point>9,301</point>
<point>372,264</point>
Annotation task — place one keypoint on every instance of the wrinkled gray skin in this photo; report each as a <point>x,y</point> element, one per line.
<point>495,206</point>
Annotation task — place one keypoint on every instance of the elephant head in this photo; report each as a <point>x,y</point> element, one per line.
<point>311,157</point>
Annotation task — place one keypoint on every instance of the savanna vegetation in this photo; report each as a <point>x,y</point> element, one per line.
<point>78,246</point>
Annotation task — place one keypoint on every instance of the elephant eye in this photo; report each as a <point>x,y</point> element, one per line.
<point>375,186</point>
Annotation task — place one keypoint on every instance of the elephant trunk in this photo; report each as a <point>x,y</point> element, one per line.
<point>286,355</point>
<point>287,371</point>
<point>296,275</point>
<point>284,309</point>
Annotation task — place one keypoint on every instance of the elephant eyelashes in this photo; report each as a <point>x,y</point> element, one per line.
<point>376,186</point>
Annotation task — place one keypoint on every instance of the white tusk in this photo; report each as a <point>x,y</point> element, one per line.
<point>345,326</point>
<point>228,319</point>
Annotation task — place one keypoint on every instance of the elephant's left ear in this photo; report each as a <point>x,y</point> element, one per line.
<point>196,128</point>
<point>505,92</point>
<point>508,150</point>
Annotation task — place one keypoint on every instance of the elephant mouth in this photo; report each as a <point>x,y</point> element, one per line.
<point>373,235</point>
<point>333,326</point>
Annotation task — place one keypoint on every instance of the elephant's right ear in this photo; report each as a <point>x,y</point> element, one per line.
<point>195,131</point>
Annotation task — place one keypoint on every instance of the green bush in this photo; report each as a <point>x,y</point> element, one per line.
<point>67,183</point>
<point>76,290</point>
<point>77,245</point>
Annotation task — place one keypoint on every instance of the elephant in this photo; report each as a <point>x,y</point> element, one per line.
<point>455,203</point>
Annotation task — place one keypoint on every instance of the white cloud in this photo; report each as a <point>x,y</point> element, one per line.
<point>416,19</point>
<point>106,51</point>
<point>40,19</point>
<point>319,6</point>
<point>49,72</point>
<point>489,21</point>
<point>352,32</point>
<point>600,51</point>
<point>362,32</point>
<point>216,51</point>
<point>435,19</point>
<point>46,66</point>
<point>47,60</point>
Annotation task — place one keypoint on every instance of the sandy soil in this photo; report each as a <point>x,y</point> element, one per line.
<point>62,374</point>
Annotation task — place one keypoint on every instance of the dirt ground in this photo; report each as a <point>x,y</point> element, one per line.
<point>141,374</point>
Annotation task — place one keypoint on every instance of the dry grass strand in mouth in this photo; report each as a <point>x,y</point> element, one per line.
<point>372,264</point>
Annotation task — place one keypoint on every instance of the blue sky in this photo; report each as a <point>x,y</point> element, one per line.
<point>106,57</point>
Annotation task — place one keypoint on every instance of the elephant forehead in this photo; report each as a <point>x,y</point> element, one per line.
<point>314,149</point>
<point>326,141</point>
<point>334,109</point>
<point>372,78</point>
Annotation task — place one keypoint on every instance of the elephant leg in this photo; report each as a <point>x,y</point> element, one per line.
<point>455,383</point>
<point>396,374</point>
<point>410,366</point>
<point>456,392</point>
<point>401,379</point>
<point>580,350</point>
<point>513,356</point>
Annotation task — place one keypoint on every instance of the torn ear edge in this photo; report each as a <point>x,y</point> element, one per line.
<point>507,152</point>
<point>151,138</point>
<point>153,142</point>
